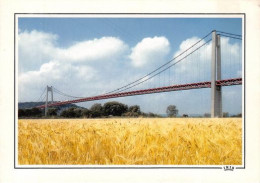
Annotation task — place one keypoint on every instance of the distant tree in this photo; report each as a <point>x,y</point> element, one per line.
<point>134,108</point>
<point>27,112</point>
<point>114,108</point>
<point>96,110</point>
<point>239,115</point>
<point>185,115</point>
<point>69,113</point>
<point>35,112</point>
<point>64,113</point>
<point>133,111</point>
<point>225,114</point>
<point>52,112</point>
<point>86,113</point>
<point>72,112</point>
<point>153,115</point>
<point>79,112</point>
<point>21,112</point>
<point>207,115</point>
<point>131,114</point>
<point>172,111</point>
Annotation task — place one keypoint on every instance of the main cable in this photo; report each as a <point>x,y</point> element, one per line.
<point>230,36</point>
<point>230,33</point>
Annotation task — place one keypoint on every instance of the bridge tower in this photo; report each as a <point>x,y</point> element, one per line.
<point>216,91</point>
<point>49,89</point>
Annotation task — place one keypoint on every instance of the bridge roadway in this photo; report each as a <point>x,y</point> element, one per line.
<point>226,82</point>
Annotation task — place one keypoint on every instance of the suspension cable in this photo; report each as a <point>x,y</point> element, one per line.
<point>64,94</point>
<point>41,95</point>
<point>168,66</point>
<point>44,98</point>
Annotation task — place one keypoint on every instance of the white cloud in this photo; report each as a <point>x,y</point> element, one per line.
<point>55,70</point>
<point>149,51</point>
<point>189,42</point>
<point>35,48</point>
<point>42,62</point>
<point>97,49</point>
<point>55,73</point>
<point>45,63</point>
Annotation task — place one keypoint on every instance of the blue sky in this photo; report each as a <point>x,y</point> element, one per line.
<point>131,30</point>
<point>97,55</point>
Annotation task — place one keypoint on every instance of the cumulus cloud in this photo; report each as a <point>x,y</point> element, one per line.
<point>88,64</point>
<point>55,70</point>
<point>149,51</point>
<point>56,74</point>
<point>91,50</point>
<point>42,62</point>
<point>35,48</point>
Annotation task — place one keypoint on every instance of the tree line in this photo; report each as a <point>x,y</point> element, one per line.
<point>95,111</point>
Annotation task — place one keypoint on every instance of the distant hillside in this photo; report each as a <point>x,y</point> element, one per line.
<point>26,105</point>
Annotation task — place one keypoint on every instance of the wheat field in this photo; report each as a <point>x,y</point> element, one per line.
<point>130,141</point>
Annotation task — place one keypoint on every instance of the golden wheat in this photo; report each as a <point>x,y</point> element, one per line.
<point>137,141</point>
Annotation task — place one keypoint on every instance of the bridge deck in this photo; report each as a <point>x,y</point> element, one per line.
<point>227,82</point>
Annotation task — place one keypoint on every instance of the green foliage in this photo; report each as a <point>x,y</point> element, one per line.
<point>52,112</point>
<point>86,113</point>
<point>96,110</point>
<point>21,113</point>
<point>114,108</point>
<point>152,115</point>
<point>135,109</point>
<point>239,115</point>
<point>131,114</point>
<point>185,115</point>
<point>207,115</point>
<point>69,113</point>
<point>225,114</point>
<point>79,112</point>
<point>34,112</point>
<point>172,111</point>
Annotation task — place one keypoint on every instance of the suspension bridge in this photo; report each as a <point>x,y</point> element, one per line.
<point>214,61</point>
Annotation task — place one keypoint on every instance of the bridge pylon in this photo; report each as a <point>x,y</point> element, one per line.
<point>49,89</point>
<point>216,91</point>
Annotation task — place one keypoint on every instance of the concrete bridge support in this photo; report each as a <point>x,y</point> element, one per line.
<point>216,91</point>
<point>49,89</point>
